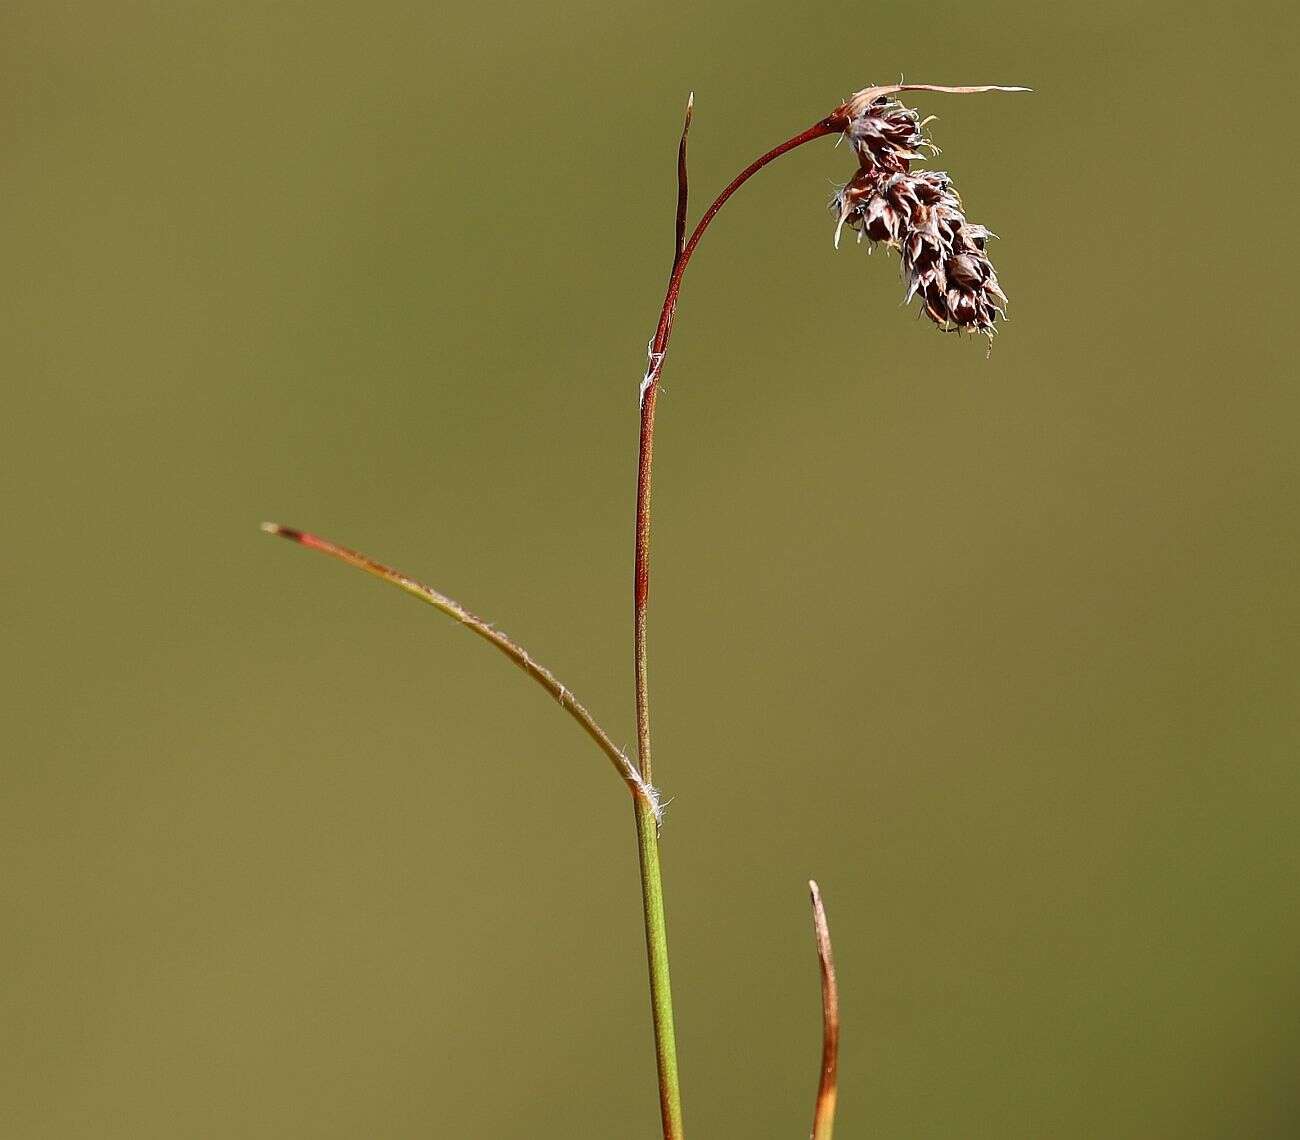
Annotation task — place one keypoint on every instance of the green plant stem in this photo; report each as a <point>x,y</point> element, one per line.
<point>661,991</point>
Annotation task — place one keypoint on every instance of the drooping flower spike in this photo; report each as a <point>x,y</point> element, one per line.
<point>917,213</point>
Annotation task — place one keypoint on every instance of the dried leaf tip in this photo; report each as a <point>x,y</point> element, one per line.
<point>282,531</point>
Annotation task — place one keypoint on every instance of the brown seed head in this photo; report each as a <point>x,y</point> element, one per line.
<point>917,212</point>
<point>887,134</point>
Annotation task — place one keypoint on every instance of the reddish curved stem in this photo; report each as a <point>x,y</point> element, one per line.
<point>649,394</point>
<point>663,332</point>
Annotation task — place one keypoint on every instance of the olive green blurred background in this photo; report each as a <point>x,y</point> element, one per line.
<point>1003,651</point>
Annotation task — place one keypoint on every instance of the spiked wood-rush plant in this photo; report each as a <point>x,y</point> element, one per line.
<point>945,264</point>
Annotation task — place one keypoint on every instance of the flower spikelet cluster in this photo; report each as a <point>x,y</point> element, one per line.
<point>918,213</point>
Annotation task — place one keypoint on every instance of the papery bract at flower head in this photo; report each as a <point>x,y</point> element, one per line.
<point>857,103</point>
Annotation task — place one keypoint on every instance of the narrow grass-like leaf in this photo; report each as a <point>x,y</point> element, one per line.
<point>828,1085</point>
<point>512,649</point>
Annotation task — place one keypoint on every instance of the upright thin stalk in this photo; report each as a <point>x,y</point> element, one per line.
<point>661,990</point>
<point>647,829</point>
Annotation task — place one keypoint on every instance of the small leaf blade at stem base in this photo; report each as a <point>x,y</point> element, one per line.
<point>828,1084</point>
